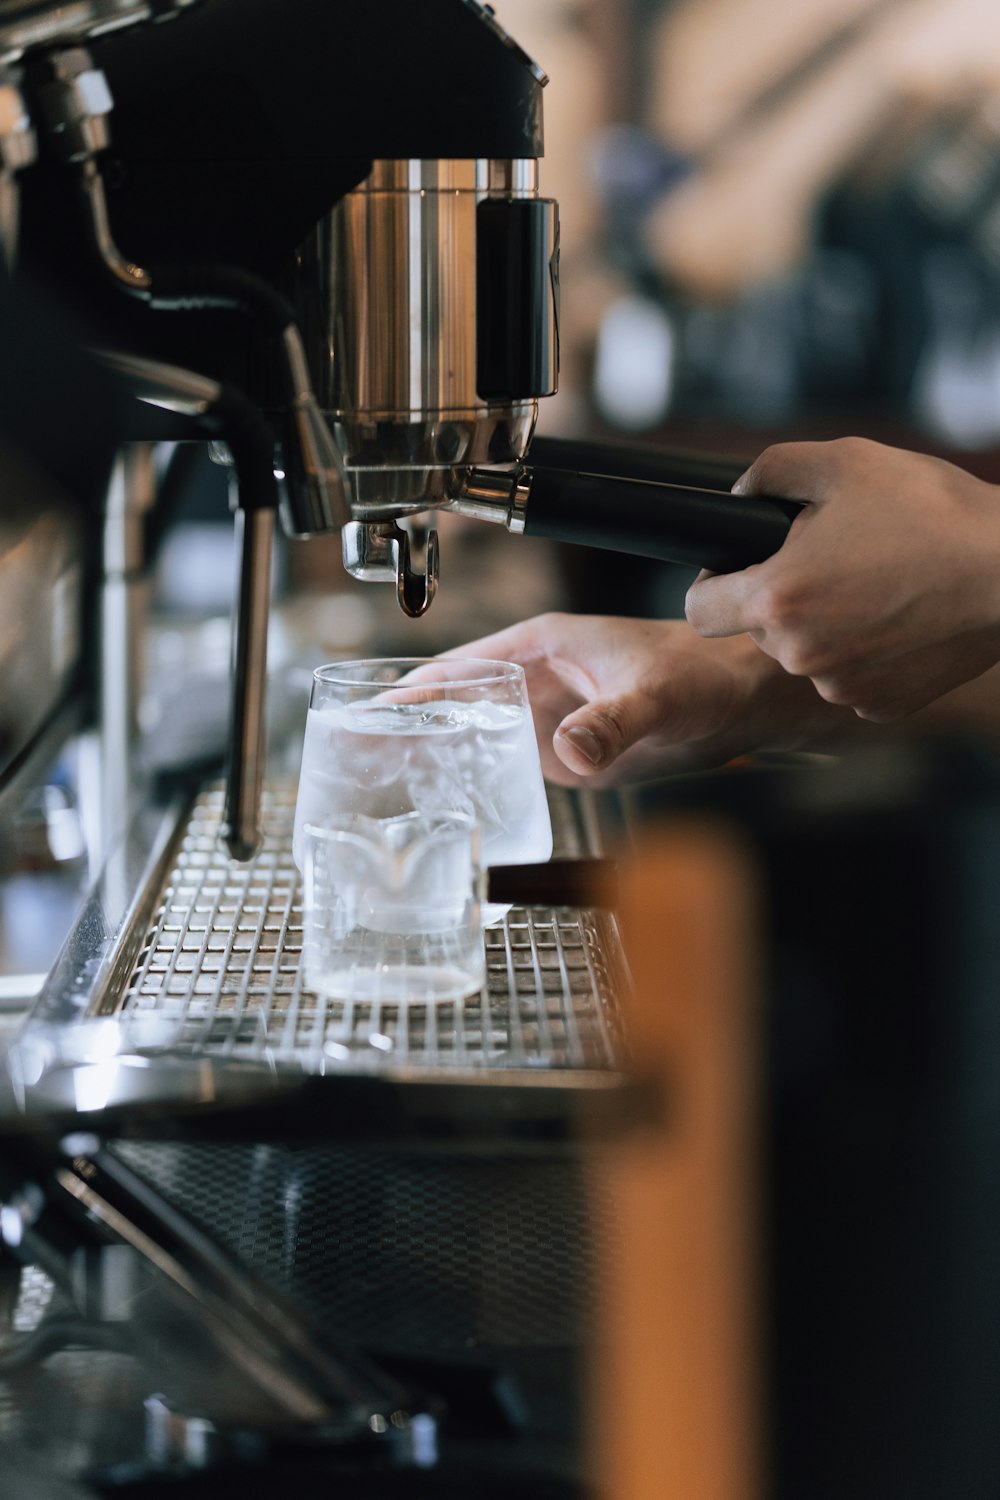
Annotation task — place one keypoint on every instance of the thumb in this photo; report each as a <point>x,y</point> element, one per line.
<point>592,737</point>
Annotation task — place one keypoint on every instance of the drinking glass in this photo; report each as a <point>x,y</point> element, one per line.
<point>391,908</point>
<point>430,735</point>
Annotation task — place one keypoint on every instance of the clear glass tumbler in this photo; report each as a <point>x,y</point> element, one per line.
<point>430,735</point>
<point>391,908</point>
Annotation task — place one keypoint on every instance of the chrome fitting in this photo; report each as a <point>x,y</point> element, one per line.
<point>75,104</point>
<point>498,495</point>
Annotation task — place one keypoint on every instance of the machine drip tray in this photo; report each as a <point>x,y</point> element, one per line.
<point>485,1254</point>
<point>209,950</point>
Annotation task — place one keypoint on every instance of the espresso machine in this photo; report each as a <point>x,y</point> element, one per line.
<point>331,258</point>
<point>309,233</point>
<point>263,227</point>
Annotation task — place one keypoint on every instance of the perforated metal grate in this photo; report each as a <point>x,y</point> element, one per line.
<point>409,1250</point>
<point>220,961</point>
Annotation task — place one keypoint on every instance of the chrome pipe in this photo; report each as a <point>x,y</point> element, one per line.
<point>241,817</point>
<point>131,494</point>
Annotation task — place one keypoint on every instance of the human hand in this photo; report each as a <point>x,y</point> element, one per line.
<point>617,699</point>
<point>886,593</point>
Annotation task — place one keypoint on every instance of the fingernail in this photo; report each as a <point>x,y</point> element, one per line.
<point>739,488</point>
<point>585,743</point>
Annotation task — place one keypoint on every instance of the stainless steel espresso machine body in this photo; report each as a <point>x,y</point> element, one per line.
<point>188,180</point>
<point>351,240</point>
<point>59,420</point>
<point>243,182</point>
<point>429,304</point>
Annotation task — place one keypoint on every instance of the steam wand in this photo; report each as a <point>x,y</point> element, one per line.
<point>75,102</point>
<point>225,413</point>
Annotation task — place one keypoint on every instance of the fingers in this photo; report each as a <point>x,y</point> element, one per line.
<point>807,471</point>
<point>594,736</point>
<point>581,747</point>
<point>720,604</point>
<point>523,643</point>
<point>892,689</point>
<point>767,600</point>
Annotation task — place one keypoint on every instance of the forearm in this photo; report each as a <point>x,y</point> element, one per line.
<point>801,720</point>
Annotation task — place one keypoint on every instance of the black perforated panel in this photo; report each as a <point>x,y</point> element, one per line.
<point>412,1251</point>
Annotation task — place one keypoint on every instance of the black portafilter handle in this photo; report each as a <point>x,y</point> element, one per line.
<point>674,507</point>
<point>584,882</point>
<point>708,471</point>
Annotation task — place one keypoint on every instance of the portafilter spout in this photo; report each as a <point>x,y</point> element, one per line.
<point>382,552</point>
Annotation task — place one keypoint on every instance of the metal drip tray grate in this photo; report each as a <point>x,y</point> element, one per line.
<point>220,963</point>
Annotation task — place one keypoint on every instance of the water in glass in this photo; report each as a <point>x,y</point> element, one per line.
<point>463,752</point>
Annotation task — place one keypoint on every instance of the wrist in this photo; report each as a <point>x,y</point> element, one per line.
<point>988,555</point>
<point>786,713</point>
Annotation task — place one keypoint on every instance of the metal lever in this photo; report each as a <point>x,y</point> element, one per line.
<point>381,552</point>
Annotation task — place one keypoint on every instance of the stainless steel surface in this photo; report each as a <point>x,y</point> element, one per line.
<point>131,493</point>
<point>316,487</point>
<point>209,952</point>
<point>166,386</point>
<point>380,552</point>
<point>417,585</point>
<point>24,779</point>
<point>73,105</point>
<point>103,944</point>
<point>42,552</point>
<point>221,1337</point>
<point>499,495</point>
<point>241,819</point>
<point>389,315</point>
<point>132,277</point>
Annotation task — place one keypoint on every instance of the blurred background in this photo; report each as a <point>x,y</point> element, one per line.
<point>775,218</point>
